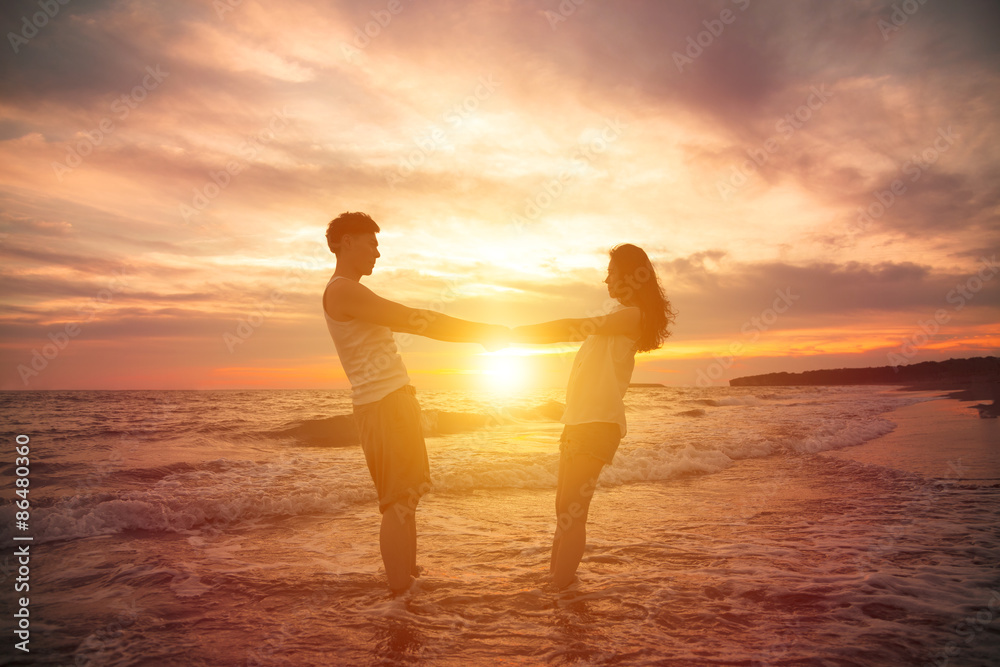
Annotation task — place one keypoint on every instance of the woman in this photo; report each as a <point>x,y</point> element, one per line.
<point>595,414</point>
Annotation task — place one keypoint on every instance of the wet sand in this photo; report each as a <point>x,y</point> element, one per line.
<point>942,439</point>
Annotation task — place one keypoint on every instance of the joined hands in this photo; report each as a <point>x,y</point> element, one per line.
<point>496,337</point>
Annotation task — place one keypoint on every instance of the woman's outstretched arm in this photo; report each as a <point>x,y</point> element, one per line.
<point>625,321</point>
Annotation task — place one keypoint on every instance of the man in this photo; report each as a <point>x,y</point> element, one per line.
<point>385,406</point>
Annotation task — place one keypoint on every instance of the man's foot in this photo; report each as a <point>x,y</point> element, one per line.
<point>563,585</point>
<point>572,583</point>
<point>396,592</point>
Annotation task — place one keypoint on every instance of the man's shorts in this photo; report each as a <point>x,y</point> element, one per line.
<point>598,439</point>
<point>393,442</point>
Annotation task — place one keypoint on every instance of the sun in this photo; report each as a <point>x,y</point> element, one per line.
<point>506,371</point>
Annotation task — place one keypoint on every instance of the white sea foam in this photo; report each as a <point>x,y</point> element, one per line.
<point>199,499</point>
<point>663,444</point>
<point>836,434</point>
<point>658,465</point>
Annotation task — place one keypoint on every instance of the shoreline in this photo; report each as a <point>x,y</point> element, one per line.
<point>971,389</point>
<point>937,438</point>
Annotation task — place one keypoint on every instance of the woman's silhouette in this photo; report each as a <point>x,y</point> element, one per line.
<point>595,414</point>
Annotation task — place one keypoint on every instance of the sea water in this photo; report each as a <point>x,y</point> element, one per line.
<point>737,526</point>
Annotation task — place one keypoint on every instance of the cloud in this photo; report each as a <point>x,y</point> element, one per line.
<point>823,294</point>
<point>399,125</point>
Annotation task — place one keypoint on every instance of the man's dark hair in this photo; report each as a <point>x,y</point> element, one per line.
<point>348,223</point>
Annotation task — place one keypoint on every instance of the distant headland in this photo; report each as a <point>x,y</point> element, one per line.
<point>975,379</point>
<point>980,369</point>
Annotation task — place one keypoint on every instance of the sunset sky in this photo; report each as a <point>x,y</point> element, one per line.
<point>167,171</point>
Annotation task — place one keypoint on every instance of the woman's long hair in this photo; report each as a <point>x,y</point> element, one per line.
<point>640,287</point>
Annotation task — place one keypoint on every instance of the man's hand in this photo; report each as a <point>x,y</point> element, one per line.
<point>496,337</point>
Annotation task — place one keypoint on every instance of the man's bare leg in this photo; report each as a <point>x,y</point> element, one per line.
<point>397,542</point>
<point>572,509</point>
<point>557,538</point>
<point>414,570</point>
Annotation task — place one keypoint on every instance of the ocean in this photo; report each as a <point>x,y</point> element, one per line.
<point>737,526</point>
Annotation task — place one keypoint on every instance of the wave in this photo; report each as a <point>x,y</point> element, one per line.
<point>336,431</point>
<point>836,435</point>
<point>670,439</point>
<point>645,465</point>
<point>157,473</point>
<point>220,494</point>
<point>657,463</point>
<point>214,496</point>
<point>727,401</point>
<point>342,431</point>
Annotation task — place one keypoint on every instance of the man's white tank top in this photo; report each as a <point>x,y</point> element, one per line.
<point>368,354</point>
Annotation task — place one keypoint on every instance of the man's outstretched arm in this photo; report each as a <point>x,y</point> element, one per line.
<point>351,299</point>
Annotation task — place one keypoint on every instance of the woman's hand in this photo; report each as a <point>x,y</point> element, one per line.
<point>496,337</point>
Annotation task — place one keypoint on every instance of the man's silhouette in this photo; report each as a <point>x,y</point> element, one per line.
<point>385,406</point>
